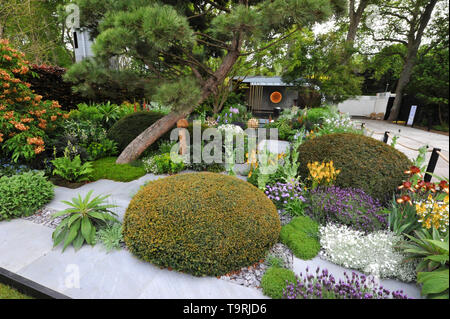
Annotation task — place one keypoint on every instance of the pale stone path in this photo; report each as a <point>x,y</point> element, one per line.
<point>412,138</point>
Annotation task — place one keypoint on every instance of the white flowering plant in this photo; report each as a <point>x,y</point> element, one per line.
<point>234,129</point>
<point>374,254</point>
<point>339,123</point>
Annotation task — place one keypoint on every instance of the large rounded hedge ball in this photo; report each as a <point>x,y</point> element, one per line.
<point>365,163</point>
<point>202,224</point>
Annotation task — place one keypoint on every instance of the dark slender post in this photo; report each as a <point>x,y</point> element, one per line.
<point>386,137</point>
<point>432,164</point>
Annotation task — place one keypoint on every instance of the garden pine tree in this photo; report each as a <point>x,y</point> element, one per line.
<point>162,47</point>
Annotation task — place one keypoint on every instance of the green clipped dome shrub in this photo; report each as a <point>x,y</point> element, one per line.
<point>365,163</point>
<point>301,235</point>
<point>124,131</point>
<point>201,223</point>
<point>274,281</point>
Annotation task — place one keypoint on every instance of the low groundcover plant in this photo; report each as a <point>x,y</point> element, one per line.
<point>373,253</point>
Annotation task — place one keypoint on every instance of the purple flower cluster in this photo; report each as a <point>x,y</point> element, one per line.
<point>234,110</point>
<point>282,193</point>
<point>323,285</point>
<point>348,206</point>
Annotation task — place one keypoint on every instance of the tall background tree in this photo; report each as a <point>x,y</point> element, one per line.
<point>165,45</point>
<point>35,28</point>
<point>322,63</point>
<point>404,22</point>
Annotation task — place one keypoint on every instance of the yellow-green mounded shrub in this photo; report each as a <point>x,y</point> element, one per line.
<point>365,163</point>
<point>202,224</point>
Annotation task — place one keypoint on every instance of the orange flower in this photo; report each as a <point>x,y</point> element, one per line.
<point>21,127</point>
<point>1,137</point>
<point>7,57</point>
<point>406,185</point>
<point>8,115</point>
<point>39,150</point>
<point>66,116</point>
<point>6,85</point>
<point>413,170</point>
<point>430,187</point>
<point>404,199</point>
<point>2,107</point>
<point>53,118</point>
<point>443,185</point>
<point>27,120</point>
<point>55,104</point>
<point>35,141</point>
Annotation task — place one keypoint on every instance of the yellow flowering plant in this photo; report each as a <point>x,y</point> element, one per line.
<point>433,213</point>
<point>322,174</point>
<point>429,200</point>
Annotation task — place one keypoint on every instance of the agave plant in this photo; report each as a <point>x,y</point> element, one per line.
<point>429,248</point>
<point>82,220</point>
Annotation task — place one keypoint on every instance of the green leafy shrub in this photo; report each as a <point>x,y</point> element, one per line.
<point>285,128</point>
<point>106,168</point>
<point>22,195</point>
<point>124,131</point>
<point>105,114</point>
<point>301,236</point>
<point>72,170</point>
<point>104,148</point>
<point>276,279</point>
<point>365,163</point>
<point>317,115</point>
<point>162,164</point>
<point>82,220</point>
<point>201,223</point>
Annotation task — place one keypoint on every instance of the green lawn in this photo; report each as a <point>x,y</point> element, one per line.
<point>106,168</point>
<point>7,292</point>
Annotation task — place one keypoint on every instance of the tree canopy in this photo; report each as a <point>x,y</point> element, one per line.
<point>164,46</point>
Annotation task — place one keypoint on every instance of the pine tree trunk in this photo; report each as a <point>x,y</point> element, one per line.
<point>148,137</point>
<point>405,76</point>
<point>154,132</point>
<point>414,41</point>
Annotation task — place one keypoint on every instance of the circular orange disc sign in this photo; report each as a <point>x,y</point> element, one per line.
<point>276,97</point>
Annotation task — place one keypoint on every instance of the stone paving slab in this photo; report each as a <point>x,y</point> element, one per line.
<point>22,242</point>
<point>26,248</point>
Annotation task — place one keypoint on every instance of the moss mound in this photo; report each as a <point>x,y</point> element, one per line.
<point>202,224</point>
<point>301,235</point>
<point>365,163</point>
<point>275,280</point>
<point>124,131</point>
